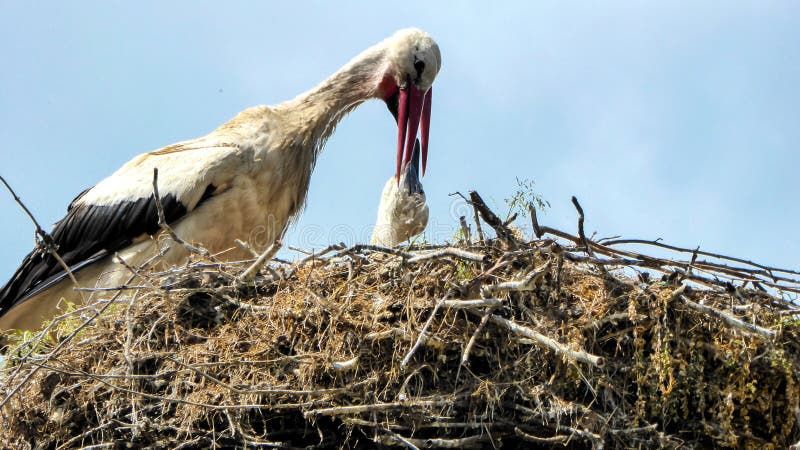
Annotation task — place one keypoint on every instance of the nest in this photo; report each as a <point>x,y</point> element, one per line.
<point>556,341</point>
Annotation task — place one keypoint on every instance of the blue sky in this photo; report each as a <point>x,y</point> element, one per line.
<point>678,120</point>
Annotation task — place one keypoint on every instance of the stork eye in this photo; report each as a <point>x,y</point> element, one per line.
<point>419,66</point>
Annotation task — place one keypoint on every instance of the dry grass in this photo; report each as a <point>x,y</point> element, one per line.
<point>312,354</point>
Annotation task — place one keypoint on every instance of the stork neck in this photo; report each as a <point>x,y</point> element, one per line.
<point>317,112</point>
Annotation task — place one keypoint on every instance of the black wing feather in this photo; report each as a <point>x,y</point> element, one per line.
<point>87,234</point>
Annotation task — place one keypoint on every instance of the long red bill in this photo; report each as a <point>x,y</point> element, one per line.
<point>402,121</point>
<point>413,113</point>
<point>425,127</point>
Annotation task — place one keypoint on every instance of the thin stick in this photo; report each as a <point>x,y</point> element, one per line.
<point>526,284</point>
<point>247,247</point>
<point>449,251</point>
<point>465,230</point>
<point>535,221</point>
<point>557,439</point>
<point>574,355</point>
<point>39,229</point>
<point>260,262</point>
<point>730,320</point>
<point>491,218</point>
<point>474,337</point>
<point>656,243</point>
<point>394,438</point>
<point>478,228</point>
<point>582,234</point>
<point>162,222</point>
<point>357,409</point>
<point>475,217</point>
<point>49,245</point>
<point>470,304</point>
<point>465,442</point>
<point>422,333</point>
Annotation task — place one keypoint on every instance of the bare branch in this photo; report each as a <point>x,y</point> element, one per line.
<point>503,233</point>
<point>574,355</point>
<point>422,332</point>
<point>39,229</point>
<point>727,318</point>
<point>467,236</point>
<point>260,262</point>
<point>162,222</point>
<point>526,284</point>
<point>586,243</point>
<point>45,239</point>
<point>469,304</point>
<point>449,251</point>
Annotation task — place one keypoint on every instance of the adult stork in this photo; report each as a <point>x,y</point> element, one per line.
<point>245,180</point>
<point>402,212</point>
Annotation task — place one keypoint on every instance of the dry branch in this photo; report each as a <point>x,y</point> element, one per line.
<point>730,320</point>
<point>526,284</point>
<point>44,240</point>
<point>162,222</point>
<point>262,260</point>
<point>503,233</point>
<point>573,355</point>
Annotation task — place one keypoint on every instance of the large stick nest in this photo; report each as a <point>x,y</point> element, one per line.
<point>557,341</point>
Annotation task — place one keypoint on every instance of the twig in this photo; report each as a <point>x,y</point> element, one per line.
<point>422,332</point>
<point>468,304</point>
<point>260,262</point>
<point>84,435</point>
<point>393,438</point>
<point>39,229</point>
<point>478,228</point>
<point>162,222</point>
<point>465,442</point>
<point>582,234</point>
<point>526,284</point>
<point>358,409</point>
<point>465,231</point>
<point>49,244</point>
<point>693,260</point>
<point>490,218</point>
<point>540,230</point>
<point>247,247</point>
<point>475,218</point>
<point>557,439</point>
<point>646,428</point>
<point>375,248</point>
<point>656,243</point>
<point>345,365</point>
<point>574,355</point>
<point>449,251</point>
<point>474,337</point>
<point>730,320</point>
<point>392,332</point>
<point>535,221</point>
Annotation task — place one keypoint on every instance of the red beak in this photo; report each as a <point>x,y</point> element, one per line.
<point>413,114</point>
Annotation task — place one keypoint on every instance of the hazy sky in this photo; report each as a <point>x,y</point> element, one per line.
<point>678,120</point>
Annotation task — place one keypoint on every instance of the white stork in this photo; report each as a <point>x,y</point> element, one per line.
<point>402,212</point>
<point>245,180</point>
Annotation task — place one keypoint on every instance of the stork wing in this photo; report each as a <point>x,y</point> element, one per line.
<point>111,215</point>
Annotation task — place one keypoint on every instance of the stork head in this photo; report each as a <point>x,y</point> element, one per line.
<point>412,62</point>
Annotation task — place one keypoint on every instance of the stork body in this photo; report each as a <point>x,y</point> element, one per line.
<point>245,180</point>
<point>402,213</point>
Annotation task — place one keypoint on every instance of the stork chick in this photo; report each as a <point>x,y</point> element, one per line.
<point>402,213</point>
<point>245,180</point>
